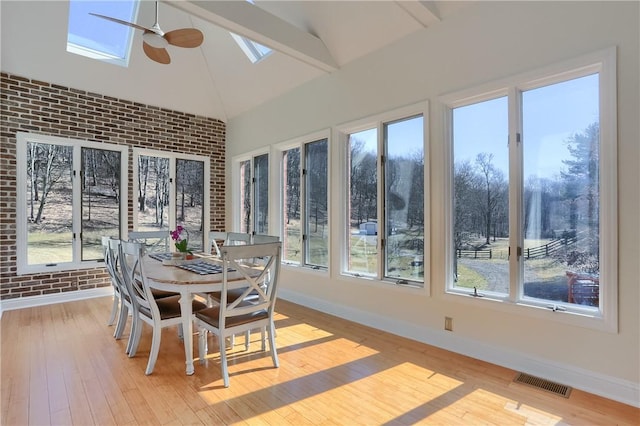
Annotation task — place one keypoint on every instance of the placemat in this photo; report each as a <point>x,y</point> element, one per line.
<point>202,268</point>
<point>161,256</point>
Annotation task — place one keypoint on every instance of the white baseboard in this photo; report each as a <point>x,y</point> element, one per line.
<point>49,299</point>
<point>613,388</point>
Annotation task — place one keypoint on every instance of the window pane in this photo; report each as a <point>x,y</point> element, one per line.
<point>480,185</point>
<point>190,200</point>
<point>316,229</point>
<point>99,38</point>
<point>561,199</point>
<point>245,196</point>
<point>261,196</point>
<point>291,209</point>
<point>100,199</point>
<point>404,199</point>
<point>153,193</point>
<point>50,203</point>
<point>362,211</point>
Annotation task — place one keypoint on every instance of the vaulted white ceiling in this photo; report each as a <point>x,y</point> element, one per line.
<point>309,39</point>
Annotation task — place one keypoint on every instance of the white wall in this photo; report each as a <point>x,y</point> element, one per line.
<point>485,42</point>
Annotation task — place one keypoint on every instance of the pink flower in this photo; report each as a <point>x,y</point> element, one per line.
<point>175,235</point>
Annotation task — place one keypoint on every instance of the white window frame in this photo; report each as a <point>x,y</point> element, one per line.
<point>173,156</point>
<point>604,63</point>
<point>378,121</point>
<point>301,143</point>
<point>22,233</point>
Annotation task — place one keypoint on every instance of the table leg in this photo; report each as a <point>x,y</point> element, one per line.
<point>186,299</point>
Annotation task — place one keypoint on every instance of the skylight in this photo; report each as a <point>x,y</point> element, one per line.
<point>254,51</point>
<point>98,38</point>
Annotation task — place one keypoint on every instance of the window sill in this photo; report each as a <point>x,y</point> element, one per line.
<point>58,267</point>
<point>590,318</point>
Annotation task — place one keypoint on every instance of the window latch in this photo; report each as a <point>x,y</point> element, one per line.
<point>556,308</point>
<point>475,293</point>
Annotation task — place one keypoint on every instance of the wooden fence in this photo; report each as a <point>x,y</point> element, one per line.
<point>529,253</point>
<point>549,248</point>
<point>475,254</point>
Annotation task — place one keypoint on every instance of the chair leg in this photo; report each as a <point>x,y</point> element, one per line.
<point>202,345</point>
<point>180,332</point>
<point>122,321</point>
<point>223,360</point>
<point>272,343</point>
<point>263,339</point>
<point>247,340</point>
<point>155,348</point>
<point>114,309</point>
<point>136,337</point>
<point>132,333</point>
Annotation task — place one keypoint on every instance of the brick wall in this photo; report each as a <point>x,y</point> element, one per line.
<point>44,108</point>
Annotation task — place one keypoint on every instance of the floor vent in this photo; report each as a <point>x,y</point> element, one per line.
<point>543,384</point>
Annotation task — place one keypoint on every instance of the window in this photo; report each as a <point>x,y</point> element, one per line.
<point>70,194</point>
<point>385,195</point>
<point>305,221</point>
<point>253,207</point>
<point>254,51</point>
<point>98,38</point>
<point>529,219</point>
<point>315,172</point>
<point>292,231</point>
<point>172,189</point>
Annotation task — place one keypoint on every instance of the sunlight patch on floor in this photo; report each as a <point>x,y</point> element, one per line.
<point>533,415</point>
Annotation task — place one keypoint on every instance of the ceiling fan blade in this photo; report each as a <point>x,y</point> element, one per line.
<point>156,54</point>
<point>119,21</point>
<point>185,37</point>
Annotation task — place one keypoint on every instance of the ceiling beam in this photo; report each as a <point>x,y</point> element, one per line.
<point>423,11</point>
<point>252,22</point>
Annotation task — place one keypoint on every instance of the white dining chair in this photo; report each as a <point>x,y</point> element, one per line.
<point>216,238</point>
<point>112,247</point>
<point>263,238</point>
<point>117,297</point>
<point>157,312</point>
<point>154,241</point>
<point>240,315</point>
<point>228,239</point>
<point>237,239</point>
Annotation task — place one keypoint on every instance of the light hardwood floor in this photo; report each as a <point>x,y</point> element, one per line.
<point>61,365</point>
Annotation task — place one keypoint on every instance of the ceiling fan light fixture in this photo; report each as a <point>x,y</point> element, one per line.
<point>155,40</point>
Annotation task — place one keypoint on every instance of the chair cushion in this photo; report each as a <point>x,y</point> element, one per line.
<point>212,315</point>
<point>159,294</point>
<point>169,307</point>
<point>232,295</point>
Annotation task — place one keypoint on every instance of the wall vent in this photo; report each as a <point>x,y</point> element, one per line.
<point>543,384</point>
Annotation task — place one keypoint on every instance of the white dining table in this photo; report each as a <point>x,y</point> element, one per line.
<point>187,284</point>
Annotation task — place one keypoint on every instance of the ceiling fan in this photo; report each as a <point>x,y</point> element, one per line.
<point>155,40</point>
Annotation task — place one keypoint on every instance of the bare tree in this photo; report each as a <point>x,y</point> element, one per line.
<point>292,188</point>
<point>363,183</point>
<point>493,183</point>
<point>49,163</point>
<point>143,178</point>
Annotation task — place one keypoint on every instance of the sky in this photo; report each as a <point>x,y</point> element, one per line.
<point>405,136</point>
<point>550,114</point>
<point>101,34</point>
